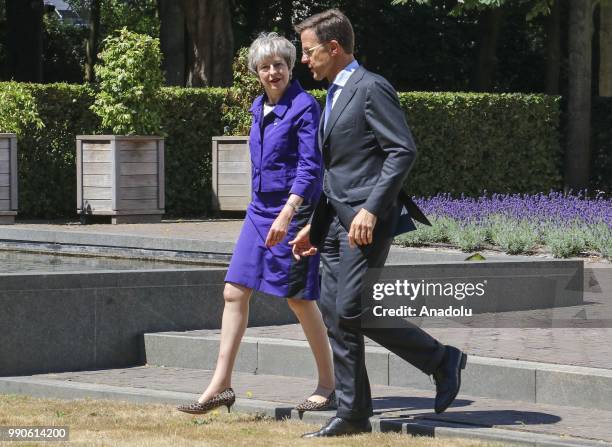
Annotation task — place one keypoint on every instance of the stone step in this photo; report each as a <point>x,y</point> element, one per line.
<point>403,410</point>
<point>512,380</point>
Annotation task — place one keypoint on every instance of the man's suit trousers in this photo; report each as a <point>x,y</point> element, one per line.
<point>343,271</point>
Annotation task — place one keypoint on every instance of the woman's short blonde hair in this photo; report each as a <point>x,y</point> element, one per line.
<point>271,44</point>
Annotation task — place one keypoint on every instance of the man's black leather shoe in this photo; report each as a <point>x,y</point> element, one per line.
<point>340,427</point>
<point>448,377</point>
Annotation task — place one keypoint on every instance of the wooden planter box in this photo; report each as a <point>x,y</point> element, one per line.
<point>8,178</point>
<point>231,173</point>
<point>121,176</point>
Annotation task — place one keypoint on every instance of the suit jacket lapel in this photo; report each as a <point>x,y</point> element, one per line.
<point>320,131</point>
<point>345,97</point>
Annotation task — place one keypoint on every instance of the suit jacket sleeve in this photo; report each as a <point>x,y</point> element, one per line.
<point>307,181</point>
<point>387,121</point>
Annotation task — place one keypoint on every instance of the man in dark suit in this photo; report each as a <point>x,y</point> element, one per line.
<point>368,151</point>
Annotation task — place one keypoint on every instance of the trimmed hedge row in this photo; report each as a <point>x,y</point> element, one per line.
<point>47,171</point>
<point>601,144</point>
<point>466,142</point>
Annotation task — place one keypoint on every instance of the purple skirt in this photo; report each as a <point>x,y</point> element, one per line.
<point>273,270</point>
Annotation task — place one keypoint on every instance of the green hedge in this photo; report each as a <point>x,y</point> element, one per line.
<point>466,142</point>
<point>470,142</point>
<point>47,171</point>
<point>601,144</point>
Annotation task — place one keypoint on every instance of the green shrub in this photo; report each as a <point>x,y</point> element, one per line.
<point>190,120</point>
<point>513,237</point>
<point>245,88</point>
<point>565,242</point>
<point>439,232</point>
<point>469,236</point>
<point>470,142</point>
<point>190,117</point>
<point>599,238</point>
<point>601,144</point>
<point>18,110</point>
<point>130,80</point>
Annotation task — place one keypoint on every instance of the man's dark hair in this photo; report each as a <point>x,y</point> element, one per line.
<point>330,25</point>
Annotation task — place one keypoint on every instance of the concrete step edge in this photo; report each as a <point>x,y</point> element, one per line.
<point>498,361</point>
<point>513,380</point>
<point>45,388</point>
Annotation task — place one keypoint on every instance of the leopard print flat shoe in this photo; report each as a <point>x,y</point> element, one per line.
<point>225,398</point>
<point>309,405</point>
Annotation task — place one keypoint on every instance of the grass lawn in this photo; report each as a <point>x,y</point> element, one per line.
<point>106,423</point>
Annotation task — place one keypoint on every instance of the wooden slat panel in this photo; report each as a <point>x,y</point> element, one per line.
<point>14,174</point>
<point>138,169</point>
<point>4,154</point>
<point>4,143</point>
<point>79,179</point>
<point>138,193</point>
<point>4,180</point>
<point>234,156</point>
<point>235,147</point>
<point>97,180</point>
<point>5,205</point>
<point>4,192</point>
<point>233,179</point>
<point>96,146</point>
<point>150,204</point>
<point>136,145</point>
<point>234,190</point>
<point>161,174</point>
<point>238,167</point>
<point>97,168</point>
<point>138,156</point>
<point>97,156</point>
<point>233,203</point>
<point>93,193</point>
<point>138,180</point>
<point>100,205</point>
<point>4,167</point>
<point>114,174</point>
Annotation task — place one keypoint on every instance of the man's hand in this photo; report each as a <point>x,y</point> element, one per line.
<point>362,228</point>
<point>301,245</point>
<point>279,228</point>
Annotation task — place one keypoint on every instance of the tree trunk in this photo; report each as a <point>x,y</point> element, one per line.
<point>91,45</point>
<point>605,48</point>
<point>553,49</point>
<point>578,151</point>
<point>172,41</point>
<point>210,28</point>
<point>24,39</point>
<point>489,24</point>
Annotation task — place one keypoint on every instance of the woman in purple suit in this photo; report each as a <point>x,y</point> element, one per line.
<point>286,184</point>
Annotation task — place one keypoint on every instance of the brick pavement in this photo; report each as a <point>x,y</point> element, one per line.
<point>390,401</point>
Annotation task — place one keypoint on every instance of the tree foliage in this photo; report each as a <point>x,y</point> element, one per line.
<point>240,96</point>
<point>139,16</point>
<point>19,110</point>
<point>537,7</point>
<point>130,81</point>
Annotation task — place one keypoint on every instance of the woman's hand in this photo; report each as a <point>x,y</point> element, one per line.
<point>279,227</point>
<point>301,246</point>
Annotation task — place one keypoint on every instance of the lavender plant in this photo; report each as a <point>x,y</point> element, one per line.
<point>567,224</point>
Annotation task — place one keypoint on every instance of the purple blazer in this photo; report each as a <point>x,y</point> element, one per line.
<point>285,154</point>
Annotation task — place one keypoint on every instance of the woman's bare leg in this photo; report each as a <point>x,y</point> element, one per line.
<point>310,318</point>
<point>233,325</point>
